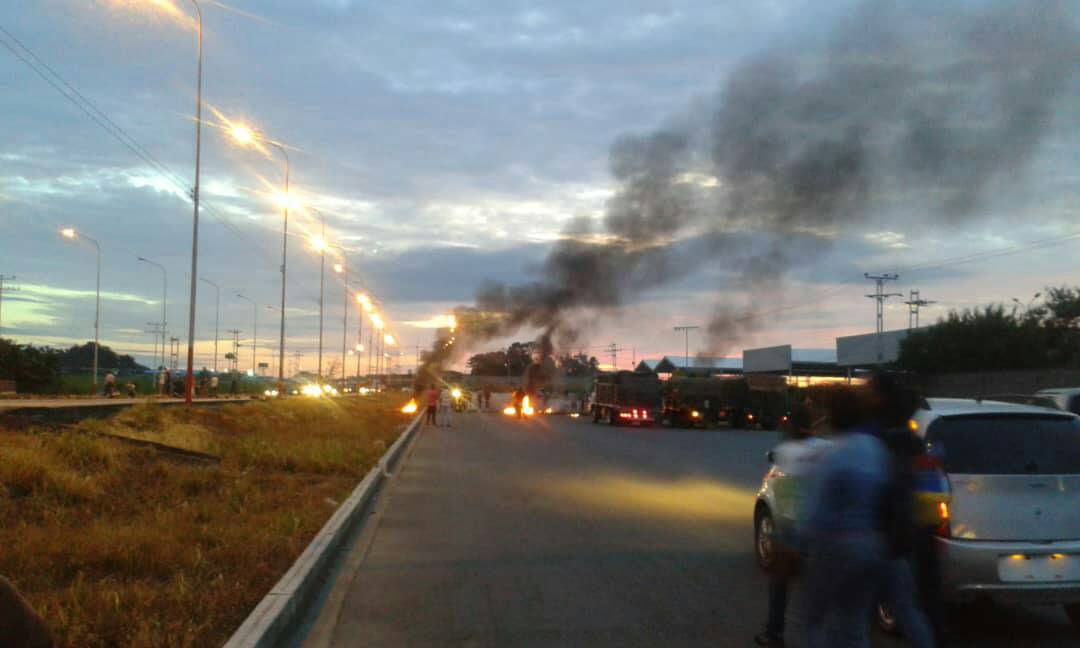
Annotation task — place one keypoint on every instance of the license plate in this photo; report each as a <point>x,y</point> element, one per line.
<point>1039,568</point>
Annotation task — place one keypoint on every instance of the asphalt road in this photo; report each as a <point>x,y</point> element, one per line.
<point>557,532</point>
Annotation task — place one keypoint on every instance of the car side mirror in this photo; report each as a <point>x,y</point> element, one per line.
<point>771,456</point>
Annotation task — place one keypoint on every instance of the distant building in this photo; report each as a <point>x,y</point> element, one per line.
<point>699,366</point>
<point>802,366</point>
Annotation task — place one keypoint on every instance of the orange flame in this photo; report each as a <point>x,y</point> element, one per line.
<point>411,407</point>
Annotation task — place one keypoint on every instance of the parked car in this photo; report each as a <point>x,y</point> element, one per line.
<point>1065,398</point>
<point>1011,529</point>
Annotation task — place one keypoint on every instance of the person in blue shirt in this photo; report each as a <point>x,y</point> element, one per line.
<point>848,555</point>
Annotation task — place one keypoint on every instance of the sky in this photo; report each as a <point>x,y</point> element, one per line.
<point>445,144</point>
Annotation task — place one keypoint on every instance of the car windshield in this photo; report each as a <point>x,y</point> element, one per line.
<point>1008,445</point>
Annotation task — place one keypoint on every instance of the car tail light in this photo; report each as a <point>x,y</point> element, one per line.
<point>943,530</point>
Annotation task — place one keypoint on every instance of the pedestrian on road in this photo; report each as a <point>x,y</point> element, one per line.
<point>110,384</point>
<point>446,406</point>
<point>848,554</point>
<point>487,398</point>
<point>130,387</point>
<point>894,407</point>
<point>798,457</point>
<point>214,385</point>
<point>480,400</point>
<point>432,396</point>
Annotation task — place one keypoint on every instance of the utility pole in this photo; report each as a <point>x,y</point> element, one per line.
<point>3,278</point>
<point>234,363</point>
<point>155,330</point>
<point>614,349</point>
<point>686,332</point>
<point>913,304</point>
<point>879,297</point>
<point>217,316</point>
<point>174,352</point>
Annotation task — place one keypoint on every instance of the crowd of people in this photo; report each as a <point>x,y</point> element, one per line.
<point>857,537</point>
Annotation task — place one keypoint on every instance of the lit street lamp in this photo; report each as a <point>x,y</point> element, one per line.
<point>70,233</point>
<point>164,302</point>
<point>217,316</point>
<point>248,137</point>
<point>254,333</point>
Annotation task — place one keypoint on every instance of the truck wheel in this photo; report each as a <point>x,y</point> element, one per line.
<point>596,415</point>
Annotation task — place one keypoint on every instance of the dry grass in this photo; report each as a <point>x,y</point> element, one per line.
<point>116,544</point>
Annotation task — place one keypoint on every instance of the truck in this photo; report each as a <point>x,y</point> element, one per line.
<point>740,401</point>
<point>626,398</point>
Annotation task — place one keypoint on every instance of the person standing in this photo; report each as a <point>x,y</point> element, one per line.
<point>848,553</point>
<point>162,381</point>
<point>446,406</point>
<point>214,386</point>
<point>519,401</point>
<point>432,400</point>
<point>110,384</point>
<point>797,457</point>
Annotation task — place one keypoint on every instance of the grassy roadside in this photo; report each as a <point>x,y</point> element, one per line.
<point>116,544</point>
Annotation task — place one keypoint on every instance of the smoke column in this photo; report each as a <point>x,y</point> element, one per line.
<point>909,113</point>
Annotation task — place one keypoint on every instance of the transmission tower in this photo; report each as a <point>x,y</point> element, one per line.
<point>879,297</point>
<point>914,302</point>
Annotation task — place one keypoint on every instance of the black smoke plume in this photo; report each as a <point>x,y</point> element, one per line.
<point>914,112</point>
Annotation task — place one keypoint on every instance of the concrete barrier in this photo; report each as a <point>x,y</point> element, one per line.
<point>272,618</point>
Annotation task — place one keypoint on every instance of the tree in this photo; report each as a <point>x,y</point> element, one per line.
<point>996,338</point>
<point>492,363</point>
<point>578,364</point>
<point>34,369</point>
<point>81,358</point>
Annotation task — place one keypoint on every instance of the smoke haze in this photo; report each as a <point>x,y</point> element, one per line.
<point>910,111</point>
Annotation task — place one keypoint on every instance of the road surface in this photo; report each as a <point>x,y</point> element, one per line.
<point>557,532</point>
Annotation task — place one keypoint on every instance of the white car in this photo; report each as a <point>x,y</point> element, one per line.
<point>1011,529</point>
<point>1065,398</point>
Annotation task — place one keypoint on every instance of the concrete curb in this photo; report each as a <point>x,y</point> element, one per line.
<point>271,619</point>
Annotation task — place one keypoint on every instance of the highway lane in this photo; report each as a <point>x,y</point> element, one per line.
<point>555,532</point>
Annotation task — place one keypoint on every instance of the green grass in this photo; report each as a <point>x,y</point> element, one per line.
<point>116,544</point>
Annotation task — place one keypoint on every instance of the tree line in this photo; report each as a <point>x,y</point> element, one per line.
<point>1044,335</point>
<point>513,360</point>
<point>39,368</point>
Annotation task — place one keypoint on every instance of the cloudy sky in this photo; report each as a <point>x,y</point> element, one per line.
<point>447,143</point>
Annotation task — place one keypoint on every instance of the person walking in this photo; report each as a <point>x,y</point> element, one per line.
<point>432,399</point>
<point>446,406</point>
<point>797,456</point>
<point>848,554</point>
<point>518,398</point>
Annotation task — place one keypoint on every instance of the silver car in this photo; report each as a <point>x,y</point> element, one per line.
<point>1064,398</point>
<point>1011,527</point>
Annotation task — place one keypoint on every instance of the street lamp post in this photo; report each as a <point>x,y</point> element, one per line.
<point>254,333</point>
<point>320,245</point>
<point>246,136</point>
<point>217,316</point>
<point>164,302</point>
<point>686,330</point>
<point>189,383</point>
<point>343,269</point>
<point>72,234</point>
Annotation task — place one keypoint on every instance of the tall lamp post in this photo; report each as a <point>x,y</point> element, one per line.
<point>70,233</point>
<point>343,269</point>
<point>189,382</point>
<point>246,136</point>
<point>319,243</point>
<point>217,316</point>
<point>254,333</point>
<point>164,302</point>
<point>686,330</point>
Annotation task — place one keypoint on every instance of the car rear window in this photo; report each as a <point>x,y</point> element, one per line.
<point>1007,444</point>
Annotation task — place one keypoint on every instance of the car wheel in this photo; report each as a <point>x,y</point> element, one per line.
<point>1072,610</point>
<point>886,621</point>
<point>764,538</point>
